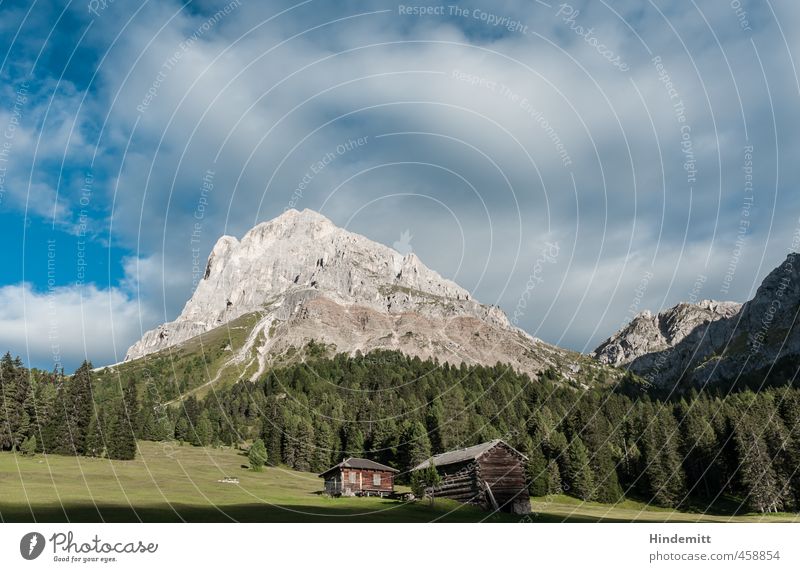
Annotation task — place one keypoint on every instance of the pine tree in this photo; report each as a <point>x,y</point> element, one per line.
<point>697,447</point>
<point>164,429</point>
<point>555,447</point>
<point>121,443</point>
<point>756,474</point>
<point>304,446</point>
<point>537,472</point>
<point>272,429</point>
<point>205,433</point>
<point>424,481</point>
<point>8,375</point>
<point>414,447</point>
<point>664,473</point>
<point>579,474</point>
<point>95,446</point>
<point>554,485</point>
<point>182,429</point>
<point>257,455</point>
<point>434,421</point>
<point>148,411</point>
<point>323,446</point>
<point>81,406</point>
<point>28,447</point>
<point>18,404</point>
<point>191,408</point>
<point>130,403</point>
<point>790,413</point>
<point>606,481</point>
<point>289,440</point>
<point>383,441</point>
<point>56,435</point>
<point>353,440</point>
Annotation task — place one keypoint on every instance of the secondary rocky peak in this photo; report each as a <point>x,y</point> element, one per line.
<point>648,333</point>
<point>716,342</point>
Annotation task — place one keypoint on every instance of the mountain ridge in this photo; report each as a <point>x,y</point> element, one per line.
<point>307,279</point>
<point>715,342</point>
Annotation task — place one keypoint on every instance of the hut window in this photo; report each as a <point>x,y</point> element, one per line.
<point>352,477</point>
<point>376,479</point>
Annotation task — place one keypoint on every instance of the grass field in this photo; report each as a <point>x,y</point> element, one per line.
<point>170,483</point>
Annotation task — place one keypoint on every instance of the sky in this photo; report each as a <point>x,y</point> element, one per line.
<point>574,163</point>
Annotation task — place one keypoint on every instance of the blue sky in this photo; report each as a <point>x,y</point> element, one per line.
<point>653,142</point>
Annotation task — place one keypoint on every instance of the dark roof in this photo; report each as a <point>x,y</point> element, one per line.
<point>358,463</point>
<point>468,454</point>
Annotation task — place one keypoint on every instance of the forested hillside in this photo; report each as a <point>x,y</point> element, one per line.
<point>598,444</point>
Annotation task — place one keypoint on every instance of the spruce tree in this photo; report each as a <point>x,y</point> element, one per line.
<point>289,440</point>
<point>121,442</point>
<point>272,428</point>
<point>182,429</point>
<point>579,474</point>
<point>434,419</point>
<point>697,448</point>
<point>204,430</point>
<point>18,404</point>
<point>95,446</point>
<point>353,440</point>
<point>81,406</point>
<point>164,429</point>
<point>56,435</point>
<point>8,375</point>
<point>257,455</point>
<point>555,447</point>
<point>130,403</point>
<point>756,474</point>
<point>606,482</point>
<point>554,485</point>
<point>28,447</point>
<point>415,446</point>
<point>537,472</point>
<point>424,481</point>
<point>304,445</point>
<point>663,469</point>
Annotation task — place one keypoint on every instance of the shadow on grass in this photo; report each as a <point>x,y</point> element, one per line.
<point>391,511</point>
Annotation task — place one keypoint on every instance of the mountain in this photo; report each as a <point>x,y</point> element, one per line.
<point>299,279</point>
<point>716,342</point>
<point>649,333</point>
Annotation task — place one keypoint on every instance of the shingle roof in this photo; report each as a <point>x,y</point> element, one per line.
<point>358,463</point>
<point>461,455</point>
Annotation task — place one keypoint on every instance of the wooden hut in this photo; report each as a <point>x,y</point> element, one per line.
<point>355,476</point>
<point>491,475</point>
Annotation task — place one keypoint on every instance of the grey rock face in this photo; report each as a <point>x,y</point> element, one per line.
<point>648,333</point>
<point>713,342</point>
<point>307,279</point>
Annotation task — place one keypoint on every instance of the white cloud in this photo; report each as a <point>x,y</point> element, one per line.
<point>245,98</point>
<point>66,325</point>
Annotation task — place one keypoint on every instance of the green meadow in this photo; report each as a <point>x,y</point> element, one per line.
<point>172,483</point>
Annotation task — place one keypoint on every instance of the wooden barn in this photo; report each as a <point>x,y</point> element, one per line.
<point>355,476</point>
<point>491,475</point>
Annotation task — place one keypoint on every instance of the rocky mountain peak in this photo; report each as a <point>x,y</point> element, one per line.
<point>712,341</point>
<point>282,264</point>
<point>648,333</point>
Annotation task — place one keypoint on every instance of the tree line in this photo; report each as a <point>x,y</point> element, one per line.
<point>53,413</point>
<point>701,449</point>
